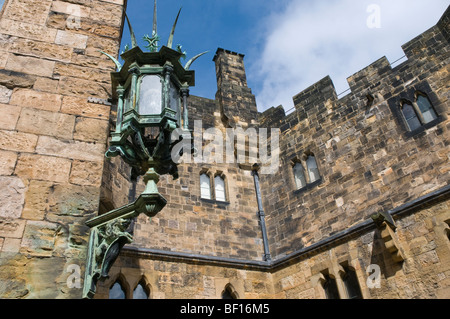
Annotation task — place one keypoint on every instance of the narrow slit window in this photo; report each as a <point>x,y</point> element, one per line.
<point>299,175</point>
<point>219,186</point>
<point>330,287</point>
<point>205,186</point>
<point>410,115</point>
<point>351,284</point>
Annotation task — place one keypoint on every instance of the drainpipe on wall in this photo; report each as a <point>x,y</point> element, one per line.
<point>262,217</point>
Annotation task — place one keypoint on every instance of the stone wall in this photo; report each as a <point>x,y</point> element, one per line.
<point>367,159</point>
<point>368,162</point>
<point>52,139</point>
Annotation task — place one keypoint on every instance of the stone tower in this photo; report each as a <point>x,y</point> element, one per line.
<point>54,88</point>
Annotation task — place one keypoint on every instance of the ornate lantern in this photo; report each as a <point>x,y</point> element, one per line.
<point>152,89</point>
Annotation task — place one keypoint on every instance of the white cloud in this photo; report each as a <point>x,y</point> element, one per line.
<point>313,39</point>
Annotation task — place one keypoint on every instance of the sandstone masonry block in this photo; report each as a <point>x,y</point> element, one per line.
<point>31,11</point>
<point>17,141</point>
<point>70,149</point>
<point>27,30</point>
<point>46,168</point>
<point>7,162</point>
<point>38,100</point>
<point>71,39</point>
<point>36,205</point>
<point>86,173</point>
<point>81,87</point>
<point>42,49</point>
<point>46,85</point>
<point>10,116</point>
<point>30,65</point>
<point>5,94</point>
<point>71,9</point>
<point>80,106</point>
<point>11,228</point>
<point>91,130</point>
<point>12,196</point>
<point>46,123</point>
<point>39,238</point>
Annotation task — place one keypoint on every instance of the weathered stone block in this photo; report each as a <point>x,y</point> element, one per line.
<point>12,228</point>
<point>35,99</point>
<point>81,87</point>
<point>42,49</point>
<point>46,168</point>
<point>71,39</point>
<point>46,85</point>
<point>17,141</point>
<point>91,130</point>
<point>82,72</point>
<point>7,162</point>
<point>80,106</point>
<point>36,205</point>
<point>13,80</point>
<point>31,11</point>
<point>71,9</point>
<point>86,173</point>
<point>5,94</point>
<point>39,238</point>
<point>30,65</point>
<point>10,116</point>
<point>12,196</point>
<point>108,13</point>
<point>68,203</point>
<point>70,149</point>
<point>46,123</point>
<point>27,30</point>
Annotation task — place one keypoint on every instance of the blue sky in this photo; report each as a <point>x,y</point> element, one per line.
<point>288,44</point>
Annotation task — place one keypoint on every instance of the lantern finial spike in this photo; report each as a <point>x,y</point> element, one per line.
<point>133,37</point>
<point>189,63</point>
<point>170,42</point>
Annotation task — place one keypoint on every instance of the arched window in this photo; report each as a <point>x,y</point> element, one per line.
<point>313,170</point>
<point>205,186</point>
<point>410,116</point>
<point>219,187</point>
<point>419,112</point>
<point>330,287</point>
<point>141,291</point>
<point>117,291</point>
<point>351,284</point>
<point>425,107</point>
<point>229,293</point>
<point>299,175</point>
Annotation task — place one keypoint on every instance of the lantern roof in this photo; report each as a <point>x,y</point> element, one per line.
<point>154,59</point>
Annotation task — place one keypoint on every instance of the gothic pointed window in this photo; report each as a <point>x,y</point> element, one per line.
<point>219,187</point>
<point>141,291</point>
<point>425,107</point>
<point>299,175</point>
<point>205,186</point>
<point>229,293</point>
<point>313,170</point>
<point>117,291</point>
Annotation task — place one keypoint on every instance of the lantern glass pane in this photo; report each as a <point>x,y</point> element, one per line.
<point>150,95</point>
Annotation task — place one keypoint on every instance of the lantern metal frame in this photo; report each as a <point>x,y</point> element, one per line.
<point>148,154</point>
